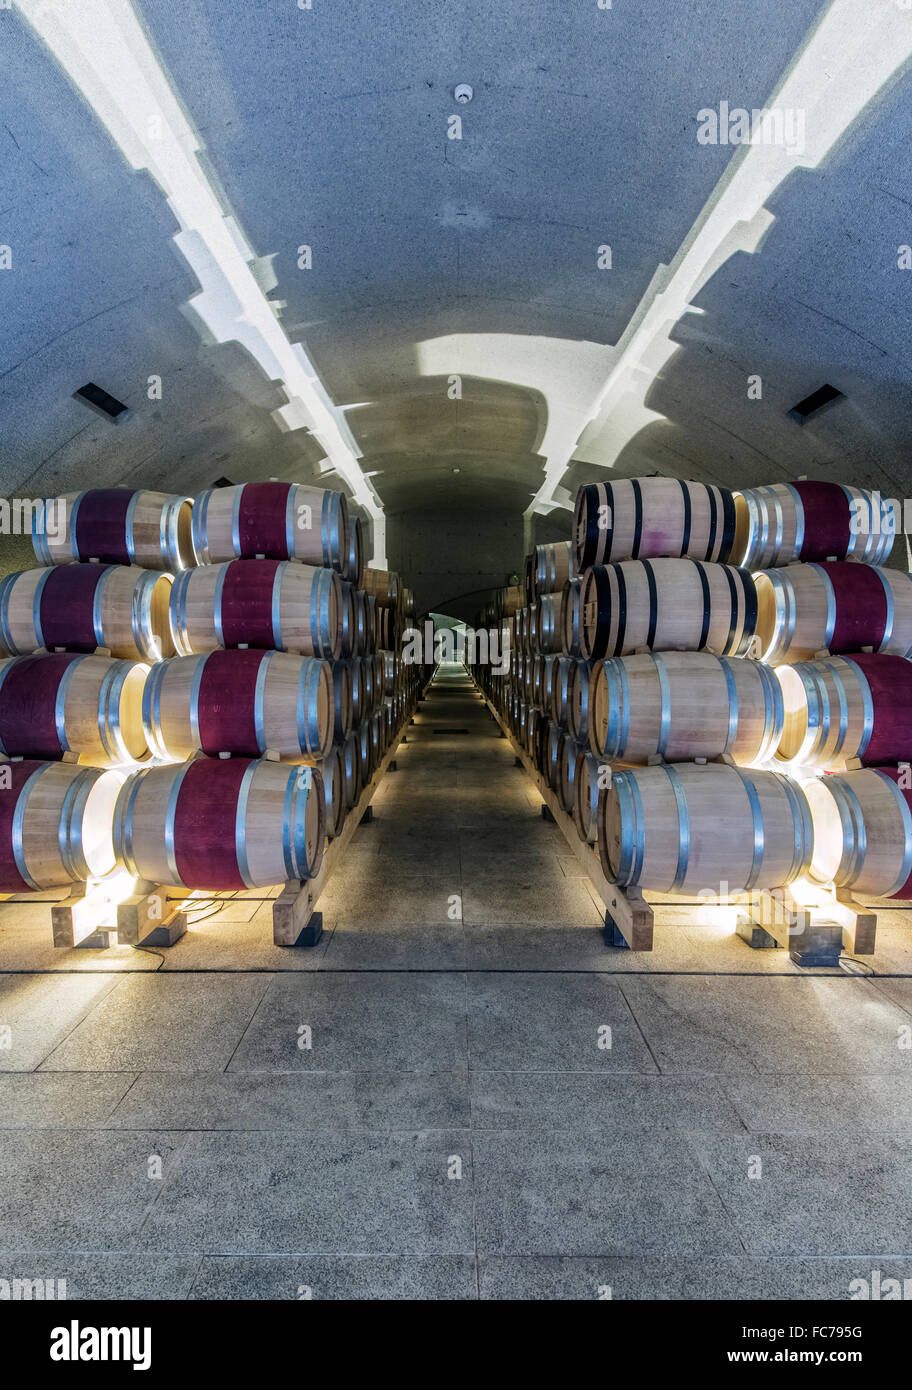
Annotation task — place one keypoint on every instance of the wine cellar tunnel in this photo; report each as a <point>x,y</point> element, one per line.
<point>455,652</point>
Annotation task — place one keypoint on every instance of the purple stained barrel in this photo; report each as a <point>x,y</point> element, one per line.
<point>115,525</point>
<point>273,521</point>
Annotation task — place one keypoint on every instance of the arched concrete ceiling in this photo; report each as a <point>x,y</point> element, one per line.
<point>329,127</point>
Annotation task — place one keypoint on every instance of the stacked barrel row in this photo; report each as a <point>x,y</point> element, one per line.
<point>658,640</point>
<point>77,635</point>
<point>253,685</point>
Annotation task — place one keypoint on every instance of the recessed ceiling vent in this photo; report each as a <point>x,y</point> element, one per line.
<point>812,405</point>
<point>108,406</point>
<point>223,482</point>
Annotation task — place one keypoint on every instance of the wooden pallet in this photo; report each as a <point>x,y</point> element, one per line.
<point>629,919</point>
<point>89,919</point>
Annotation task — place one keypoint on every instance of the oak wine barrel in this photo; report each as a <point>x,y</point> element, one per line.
<point>221,824</point>
<point>647,518</point>
<point>783,522</point>
<point>349,619</point>
<point>81,607</point>
<point>55,824</point>
<point>580,690</point>
<point>589,771</point>
<point>353,562</point>
<point>59,702</point>
<point>840,708</point>
<point>666,605</point>
<point>368,606</point>
<point>553,755</point>
<point>366,748</point>
<point>562,678</point>
<point>838,607</point>
<point>273,521</point>
<point>690,828</point>
<point>240,702</point>
<point>277,604</point>
<point>546,630</point>
<point>863,831</point>
<point>684,705</point>
<point>570,617</point>
<point>335,794</point>
<point>118,526</point>
<point>382,585</point>
<point>343,685</point>
<point>566,789</point>
<point>350,758</point>
<point>553,566</point>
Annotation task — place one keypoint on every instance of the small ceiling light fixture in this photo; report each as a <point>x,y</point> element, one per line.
<point>824,395</point>
<point>108,406</point>
<point>463,93</point>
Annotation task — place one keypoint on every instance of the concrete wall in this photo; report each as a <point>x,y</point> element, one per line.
<point>453,558</point>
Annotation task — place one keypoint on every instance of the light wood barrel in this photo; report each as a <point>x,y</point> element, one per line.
<point>684,705</point>
<point>343,698</point>
<point>273,521</point>
<point>508,602</point>
<point>666,605</point>
<point>241,702</point>
<point>378,736</point>
<point>566,790</point>
<point>782,522</point>
<point>553,567</point>
<point>354,551</point>
<point>570,616</point>
<point>56,703</point>
<point>349,620</point>
<point>863,831</point>
<point>689,829</point>
<point>562,678</point>
<point>841,708</point>
<point>389,626</point>
<point>366,748</point>
<point>553,755</point>
<point>382,585</point>
<point>332,772</point>
<point>542,676</point>
<point>579,700</point>
<point>836,607</point>
<point>547,634</point>
<point>118,526</point>
<point>81,607</point>
<point>367,622</point>
<point>368,692</point>
<point>586,780</point>
<point>646,518</point>
<point>55,824</point>
<point>221,824</point>
<point>355,669</point>
<point>350,758</point>
<point>258,603</point>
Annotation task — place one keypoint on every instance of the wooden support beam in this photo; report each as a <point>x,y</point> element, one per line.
<point>151,916</point>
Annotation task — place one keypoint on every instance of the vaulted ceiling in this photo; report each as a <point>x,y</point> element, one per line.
<point>434,257</point>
